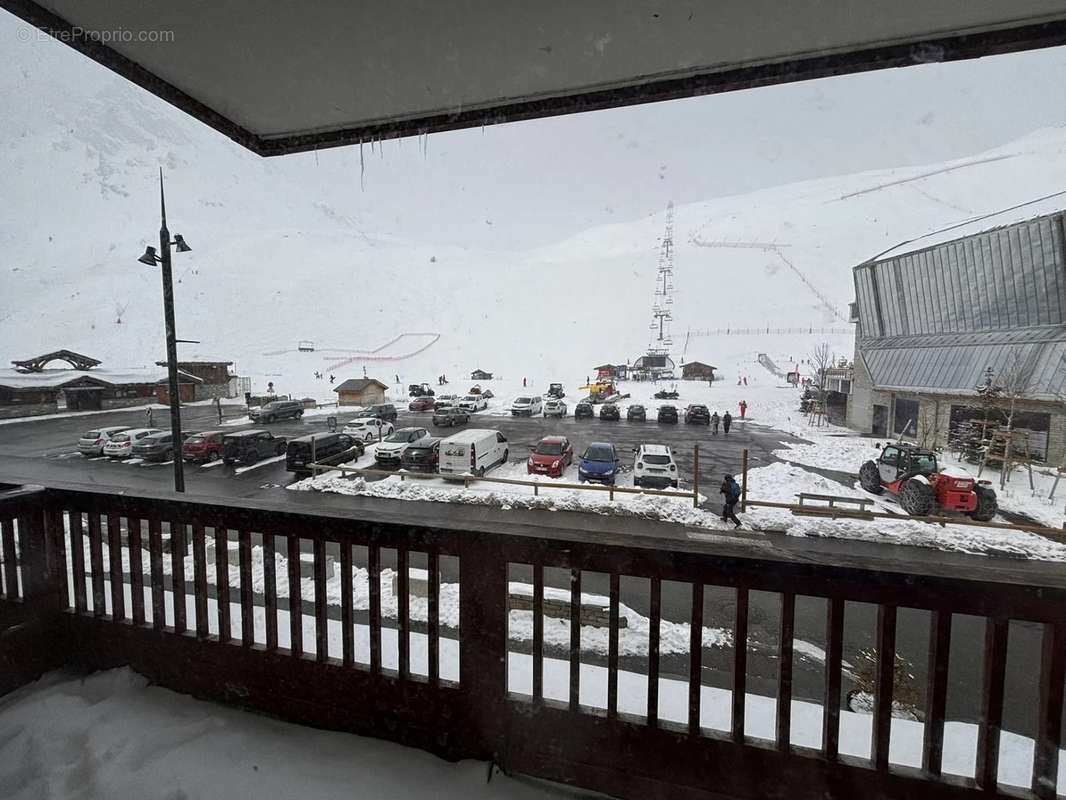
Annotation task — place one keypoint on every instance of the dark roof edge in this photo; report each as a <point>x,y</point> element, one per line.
<point>937,49</point>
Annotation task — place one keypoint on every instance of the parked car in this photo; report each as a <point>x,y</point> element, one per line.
<point>654,466</point>
<point>368,429</point>
<point>526,406</point>
<point>554,408</point>
<point>420,390</point>
<point>472,452</point>
<point>422,456</point>
<point>556,390</point>
<point>121,444</point>
<point>424,403</point>
<point>636,413</point>
<point>583,410</point>
<point>473,403</point>
<point>550,457</point>
<point>390,451</point>
<point>91,443</point>
<point>668,415</point>
<point>599,464</point>
<point>204,446</point>
<point>697,414</point>
<point>609,411</point>
<point>248,447</point>
<point>320,448</point>
<point>275,410</point>
<point>445,401</point>
<point>157,447</point>
<point>386,411</point>
<point>450,416</point>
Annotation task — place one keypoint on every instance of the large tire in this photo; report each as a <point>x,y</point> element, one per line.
<point>870,478</point>
<point>917,498</point>
<point>987,506</point>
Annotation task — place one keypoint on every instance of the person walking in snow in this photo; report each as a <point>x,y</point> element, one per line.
<point>727,420</point>
<point>714,423</point>
<point>743,408</point>
<point>523,383</point>
<point>730,492</point>
<point>331,378</point>
<point>745,380</point>
<point>148,416</point>
<point>397,379</point>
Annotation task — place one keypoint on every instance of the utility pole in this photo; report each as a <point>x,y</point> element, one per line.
<point>172,342</point>
<point>151,258</point>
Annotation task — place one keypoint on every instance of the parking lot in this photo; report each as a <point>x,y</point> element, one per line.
<point>46,449</point>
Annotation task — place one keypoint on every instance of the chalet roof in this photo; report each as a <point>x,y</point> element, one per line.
<point>38,363</point>
<point>358,385</point>
<point>697,364</point>
<point>57,378</point>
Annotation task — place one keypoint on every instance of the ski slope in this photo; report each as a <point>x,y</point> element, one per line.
<point>276,260</point>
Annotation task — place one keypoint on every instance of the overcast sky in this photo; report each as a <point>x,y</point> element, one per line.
<point>532,183</point>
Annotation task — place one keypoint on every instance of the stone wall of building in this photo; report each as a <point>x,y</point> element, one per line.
<point>209,391</point>
<point>27,410</point>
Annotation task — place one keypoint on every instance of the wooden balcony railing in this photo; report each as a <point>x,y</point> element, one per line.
<point>285,613</point>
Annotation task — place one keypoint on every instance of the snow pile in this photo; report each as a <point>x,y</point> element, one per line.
<point>112,735</point>
<point>782,482</point>
<point>846,452</point>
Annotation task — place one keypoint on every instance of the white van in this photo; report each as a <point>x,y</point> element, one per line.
<point>472,452</point>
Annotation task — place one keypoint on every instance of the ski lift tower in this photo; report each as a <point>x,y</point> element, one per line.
<point>661,315</point>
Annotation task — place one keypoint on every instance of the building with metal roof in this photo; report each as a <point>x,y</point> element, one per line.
<point>935,314</point>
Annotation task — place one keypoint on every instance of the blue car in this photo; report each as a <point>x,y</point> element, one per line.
<point>599,464</point>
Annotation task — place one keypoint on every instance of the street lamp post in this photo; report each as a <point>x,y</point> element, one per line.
<point>163,259</point>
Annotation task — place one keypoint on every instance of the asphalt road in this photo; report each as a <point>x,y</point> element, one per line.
<point>45,451</point>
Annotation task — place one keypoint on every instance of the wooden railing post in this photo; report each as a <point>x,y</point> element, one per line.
<point>483,643</point>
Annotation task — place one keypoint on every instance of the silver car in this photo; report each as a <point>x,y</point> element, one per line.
<point>92,442</point>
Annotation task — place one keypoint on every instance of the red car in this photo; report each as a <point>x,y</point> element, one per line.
<point>205,446</point>
<point>550,457</point>
<point>421,404</point>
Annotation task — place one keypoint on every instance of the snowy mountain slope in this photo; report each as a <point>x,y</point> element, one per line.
<point>278,259</point>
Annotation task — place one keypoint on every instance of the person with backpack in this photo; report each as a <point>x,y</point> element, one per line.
<point>727,420</point>
<point>731,495</point>
<point>714,423</point>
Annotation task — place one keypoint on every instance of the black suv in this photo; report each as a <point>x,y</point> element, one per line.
<point>385,411</point>
<point>583,410</point>
<point>609,411</point>
<point>668,414</point>
<point>636,414</point>
<point>422,456</point>
<point>697,415</point>
<point>277,409</point>
<point>320,448</point>
<point>248,447</point>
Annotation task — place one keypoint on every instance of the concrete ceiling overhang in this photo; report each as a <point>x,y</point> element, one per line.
<point>281,76</point>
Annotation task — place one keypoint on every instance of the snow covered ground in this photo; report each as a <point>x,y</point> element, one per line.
<point>113,735</point>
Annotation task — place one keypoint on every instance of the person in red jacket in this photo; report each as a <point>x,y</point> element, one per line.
<point>743,408</point>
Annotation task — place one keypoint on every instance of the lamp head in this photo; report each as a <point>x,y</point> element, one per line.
<point>179,244</point>
<point>149,257</point>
